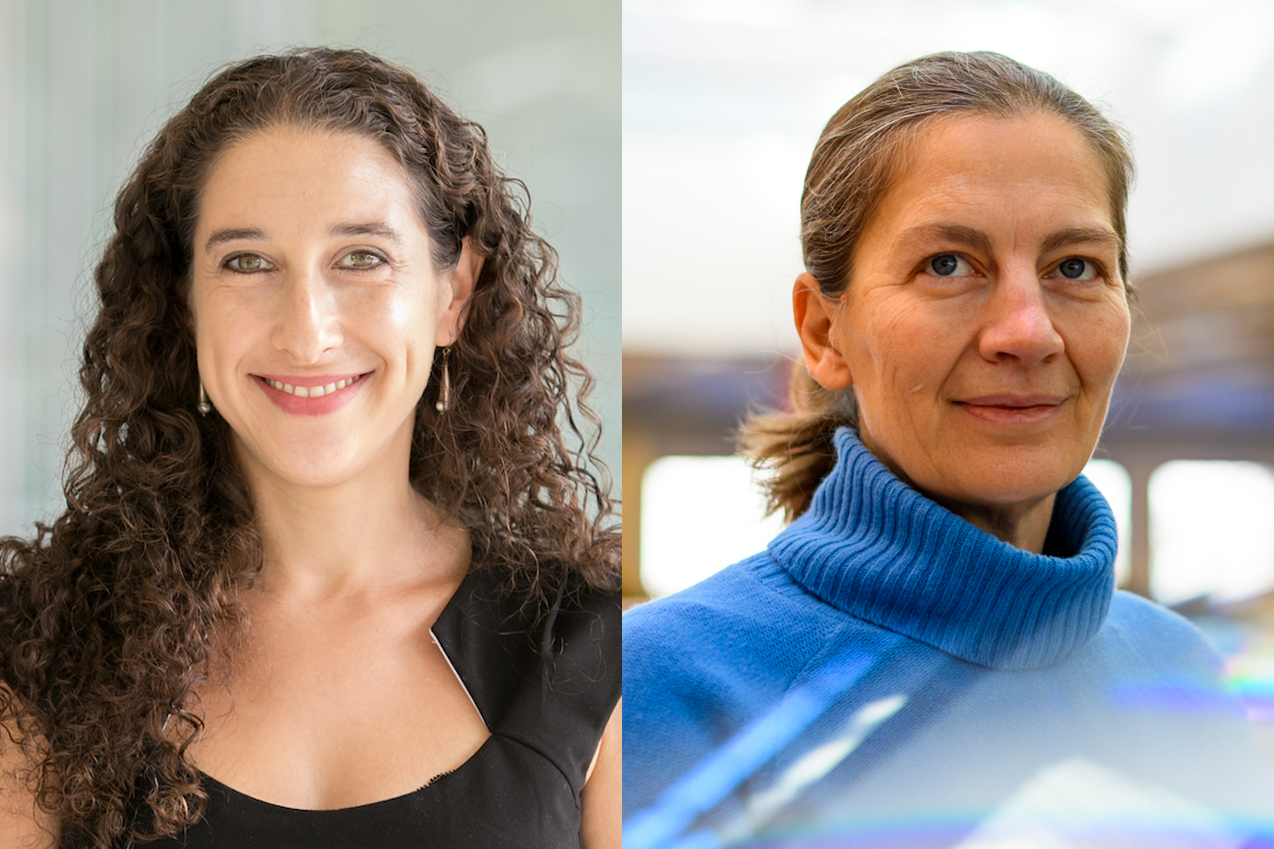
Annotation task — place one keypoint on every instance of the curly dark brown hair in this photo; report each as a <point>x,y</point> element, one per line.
<point>106,616</point>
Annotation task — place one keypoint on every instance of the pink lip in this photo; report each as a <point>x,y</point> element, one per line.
<point>311,406</point>
<point>1013,409</point>
<point>310,380</point>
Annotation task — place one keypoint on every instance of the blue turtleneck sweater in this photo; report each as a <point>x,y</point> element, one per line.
<point>886,674</point>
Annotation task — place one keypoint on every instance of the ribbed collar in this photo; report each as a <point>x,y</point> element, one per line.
<point>877,549</point>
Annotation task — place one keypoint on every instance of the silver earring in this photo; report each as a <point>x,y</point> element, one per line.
<point>444,386</point>
<point>204,407</point>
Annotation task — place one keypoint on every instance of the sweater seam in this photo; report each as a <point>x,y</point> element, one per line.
<point>1163,678</point>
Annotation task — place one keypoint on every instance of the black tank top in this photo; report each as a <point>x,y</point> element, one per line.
<point>545,694</point>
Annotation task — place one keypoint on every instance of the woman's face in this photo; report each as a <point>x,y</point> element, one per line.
<point>986,319</point>
<point>312,276</point>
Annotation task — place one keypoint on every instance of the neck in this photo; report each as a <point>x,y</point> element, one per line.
<point>1022,525</point>
<point>371,532</point>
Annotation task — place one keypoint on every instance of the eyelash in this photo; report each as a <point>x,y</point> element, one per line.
<point>1098,271</point>
<point>380,260</point>
<point>926,267</point>
<point>229,262</point>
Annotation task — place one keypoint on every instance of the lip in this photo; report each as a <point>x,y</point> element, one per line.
<point>329,403</point>
<point>1011,409</point>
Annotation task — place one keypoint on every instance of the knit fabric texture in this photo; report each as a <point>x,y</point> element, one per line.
<point>875,548</point>
<point>886,674</point>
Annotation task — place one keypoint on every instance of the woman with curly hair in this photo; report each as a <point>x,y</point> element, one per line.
<point>334,568</point>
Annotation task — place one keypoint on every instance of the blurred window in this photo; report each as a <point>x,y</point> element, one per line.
<point>1113,481</point>
<point>1211,530</point>
<point>698,515</point>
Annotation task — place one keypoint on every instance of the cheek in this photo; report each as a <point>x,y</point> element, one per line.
<point>399,324</point>
<point>902,350</point>
<point>207,326</point>
<point>1099,346</point>
<point>398,315</point>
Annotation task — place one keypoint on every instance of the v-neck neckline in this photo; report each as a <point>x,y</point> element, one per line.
<point>452,608</point>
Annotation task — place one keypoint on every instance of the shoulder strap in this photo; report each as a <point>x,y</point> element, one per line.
<point>550,685</point>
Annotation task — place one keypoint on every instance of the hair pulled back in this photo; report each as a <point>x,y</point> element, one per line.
<point>106,617</point>
<point>856,158</point>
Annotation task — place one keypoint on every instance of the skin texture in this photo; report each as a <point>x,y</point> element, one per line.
<point>984,388</point>
<point>292,295</point>
<point>603,794</point>
<point>328,271</point>
<point>310,259</point>
<point>22,824</point>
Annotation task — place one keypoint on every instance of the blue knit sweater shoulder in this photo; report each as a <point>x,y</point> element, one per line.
<point>888,674</point>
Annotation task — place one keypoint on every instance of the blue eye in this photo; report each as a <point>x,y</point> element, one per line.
<point>949,265</point>
<point>945,265</point>
<point>1075,269</point>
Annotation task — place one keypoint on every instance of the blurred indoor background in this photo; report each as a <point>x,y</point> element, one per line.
<point>723,100</point>
<point>84,84</point>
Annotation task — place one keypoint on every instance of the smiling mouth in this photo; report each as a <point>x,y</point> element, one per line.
<point>313,391</point>
<point>1012,410</point>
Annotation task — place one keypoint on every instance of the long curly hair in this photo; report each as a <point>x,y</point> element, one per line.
<point>106,616</point>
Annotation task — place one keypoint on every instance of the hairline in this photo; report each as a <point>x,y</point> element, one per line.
<point>904,141</point>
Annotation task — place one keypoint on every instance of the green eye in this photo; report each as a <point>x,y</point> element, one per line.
<point>361,259</point>
<point>247,263</point>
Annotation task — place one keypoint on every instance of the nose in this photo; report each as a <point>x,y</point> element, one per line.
<point>1018,325</point>
<point>307,322</point>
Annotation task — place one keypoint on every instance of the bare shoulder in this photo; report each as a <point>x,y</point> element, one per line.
<point>603,791</point>
<point>22,824</point>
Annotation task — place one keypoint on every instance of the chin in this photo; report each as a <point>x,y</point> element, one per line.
<point>1009,476</point>
<point>1001,487</point>
<point>304,466</point>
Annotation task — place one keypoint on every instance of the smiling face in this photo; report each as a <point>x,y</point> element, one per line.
<point>316,304</point>
<point>986,319</point>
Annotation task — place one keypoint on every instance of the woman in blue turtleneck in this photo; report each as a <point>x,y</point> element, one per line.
<point>933,653</point>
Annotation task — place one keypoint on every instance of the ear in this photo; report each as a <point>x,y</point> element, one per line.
<point>815,316</point>
<point>462,281</point>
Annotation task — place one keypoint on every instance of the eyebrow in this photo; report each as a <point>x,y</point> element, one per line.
<point>220,237</point>
<point>958,233</point>
<point>980,241</point>
<point>370,228</point>
<point>1080,235</point>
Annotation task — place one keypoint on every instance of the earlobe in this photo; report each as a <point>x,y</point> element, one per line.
<point>815,317</point>
<point>463,280</point>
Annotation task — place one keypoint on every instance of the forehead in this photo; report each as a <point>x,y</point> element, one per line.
<point>293,172</point>
<point>1035,169</point>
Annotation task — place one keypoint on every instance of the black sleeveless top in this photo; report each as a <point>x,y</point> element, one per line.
<point>545,695</point>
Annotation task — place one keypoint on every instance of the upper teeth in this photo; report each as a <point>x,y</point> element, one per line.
<point>311,391</point>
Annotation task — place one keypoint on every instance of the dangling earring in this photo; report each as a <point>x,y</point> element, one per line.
<point>444,387</point>
<point>204,407</point>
